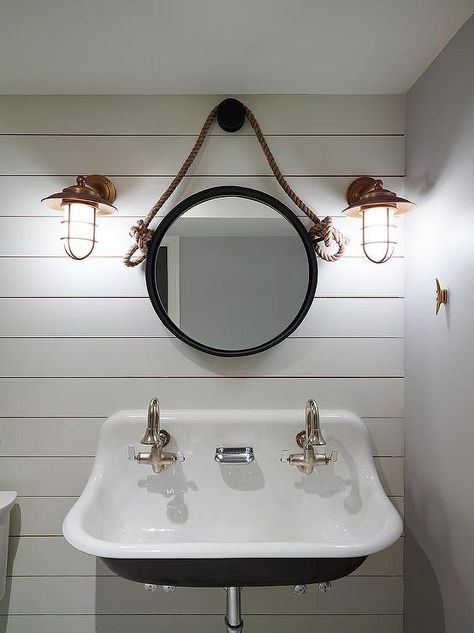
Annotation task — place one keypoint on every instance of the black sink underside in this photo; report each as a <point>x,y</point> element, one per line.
<point>232,572</point>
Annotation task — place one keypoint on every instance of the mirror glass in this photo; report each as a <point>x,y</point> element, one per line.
<point>231,275</point>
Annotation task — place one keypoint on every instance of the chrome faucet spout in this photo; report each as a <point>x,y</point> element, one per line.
<point>157,439</point>
<point>308,439</point>
<point>314,436</point>
<point>152,432</point>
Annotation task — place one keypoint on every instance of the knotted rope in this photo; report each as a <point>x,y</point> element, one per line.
<point>321,231</point>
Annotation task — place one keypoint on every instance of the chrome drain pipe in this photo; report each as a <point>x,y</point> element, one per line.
<point>233,618</point>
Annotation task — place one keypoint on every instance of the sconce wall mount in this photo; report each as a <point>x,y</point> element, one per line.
<point>377,206</point>
<point>81,203</point>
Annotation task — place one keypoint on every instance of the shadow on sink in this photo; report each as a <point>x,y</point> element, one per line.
<point>173,487</point>
<point>243,476</point>
<point>326,484</point>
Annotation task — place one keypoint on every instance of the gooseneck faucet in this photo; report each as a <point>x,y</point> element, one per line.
<point>309,438</point>
<point>157,439</point>
<point>313,434</point>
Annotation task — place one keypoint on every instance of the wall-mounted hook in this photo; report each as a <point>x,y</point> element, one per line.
<point>231,115</point>
<point>441,295</point>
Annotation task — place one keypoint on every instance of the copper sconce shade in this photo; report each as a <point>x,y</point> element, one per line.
<point>81,203</point>
<point>94,190</point>
<point>369,192</point>
<point>377,207</point>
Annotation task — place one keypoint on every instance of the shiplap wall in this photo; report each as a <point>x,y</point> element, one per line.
<point>79,340</point>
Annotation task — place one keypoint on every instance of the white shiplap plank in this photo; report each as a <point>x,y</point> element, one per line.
<point>53,556</point>
<point>399,504</point>
<point>135,317</point>
<point>43,516</point>
<point>100,397</point>
<point>39,516</point>
<point>388,562</point>
<point>221,155</point>
<point>378,317</point>
<point>391,474</point>
<point>386,598</point>
<point>137,194</point>
<point>71,437</point>
<point>41,476</point>
<point>109,357</point>
<point>349,277</point>
<point>40,237</point>
<point>109,595</point>
<point>67,476</point>
<point>49,436</point>
<point>387,436</point>
<point>50,556</point>
<point>174,114</point>
<point>56,623</point>
<point>207,623</point>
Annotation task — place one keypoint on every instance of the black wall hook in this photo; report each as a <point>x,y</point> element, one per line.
<point>231,115</point>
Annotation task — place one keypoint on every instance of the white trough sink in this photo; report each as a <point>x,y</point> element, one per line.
<point>231,518</point>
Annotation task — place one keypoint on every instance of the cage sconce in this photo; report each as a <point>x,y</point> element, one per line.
<point>81,204</point>
<point>377,207</point>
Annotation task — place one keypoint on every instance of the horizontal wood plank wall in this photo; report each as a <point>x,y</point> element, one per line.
<point>80,340</point>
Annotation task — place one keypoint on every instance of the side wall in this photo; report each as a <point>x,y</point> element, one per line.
<point>439,349</point>
<point>80,339</point>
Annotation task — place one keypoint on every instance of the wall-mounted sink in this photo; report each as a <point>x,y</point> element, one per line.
<point>208,523</point>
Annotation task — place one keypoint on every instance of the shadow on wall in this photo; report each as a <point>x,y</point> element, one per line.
<point>15,520</point>
<point>454,122</point>
<point>427,600</point>
<point>5,607</point>
<point>123,606</point>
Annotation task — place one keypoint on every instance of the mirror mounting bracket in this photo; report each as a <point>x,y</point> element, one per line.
<point>231,115</point>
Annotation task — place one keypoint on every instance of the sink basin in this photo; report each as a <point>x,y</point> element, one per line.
<point>202,523</point>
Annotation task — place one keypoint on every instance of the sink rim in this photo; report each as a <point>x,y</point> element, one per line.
<point>79,537</point>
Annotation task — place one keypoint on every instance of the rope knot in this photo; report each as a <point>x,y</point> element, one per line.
<point>323,230</point>
<point>141,234</point>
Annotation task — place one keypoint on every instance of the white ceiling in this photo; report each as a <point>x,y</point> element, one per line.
<point>221,46</point>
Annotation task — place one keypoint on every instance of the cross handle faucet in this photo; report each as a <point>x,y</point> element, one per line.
<point>309,438</point>
<point>157,438</point>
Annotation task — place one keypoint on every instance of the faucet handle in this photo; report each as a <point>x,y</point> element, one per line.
<point>332,457</point>
<point>180,457</point>
<point>131,453</point>
<point>285,456</point>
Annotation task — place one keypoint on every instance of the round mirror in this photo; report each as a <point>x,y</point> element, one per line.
<point>231,271</point>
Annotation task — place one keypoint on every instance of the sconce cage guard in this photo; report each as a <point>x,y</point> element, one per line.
<point>389,243</point>
<point>67,239</point>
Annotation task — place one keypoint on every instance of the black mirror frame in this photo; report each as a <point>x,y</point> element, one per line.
<point>224,192</point>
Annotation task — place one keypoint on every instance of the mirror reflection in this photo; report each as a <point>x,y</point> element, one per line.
<point>231,273</point>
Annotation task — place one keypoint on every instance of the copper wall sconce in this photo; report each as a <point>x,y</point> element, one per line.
<point>81,203</point>
<point>377,206</point>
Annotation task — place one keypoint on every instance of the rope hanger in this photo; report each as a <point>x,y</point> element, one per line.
<point>321,231</point>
